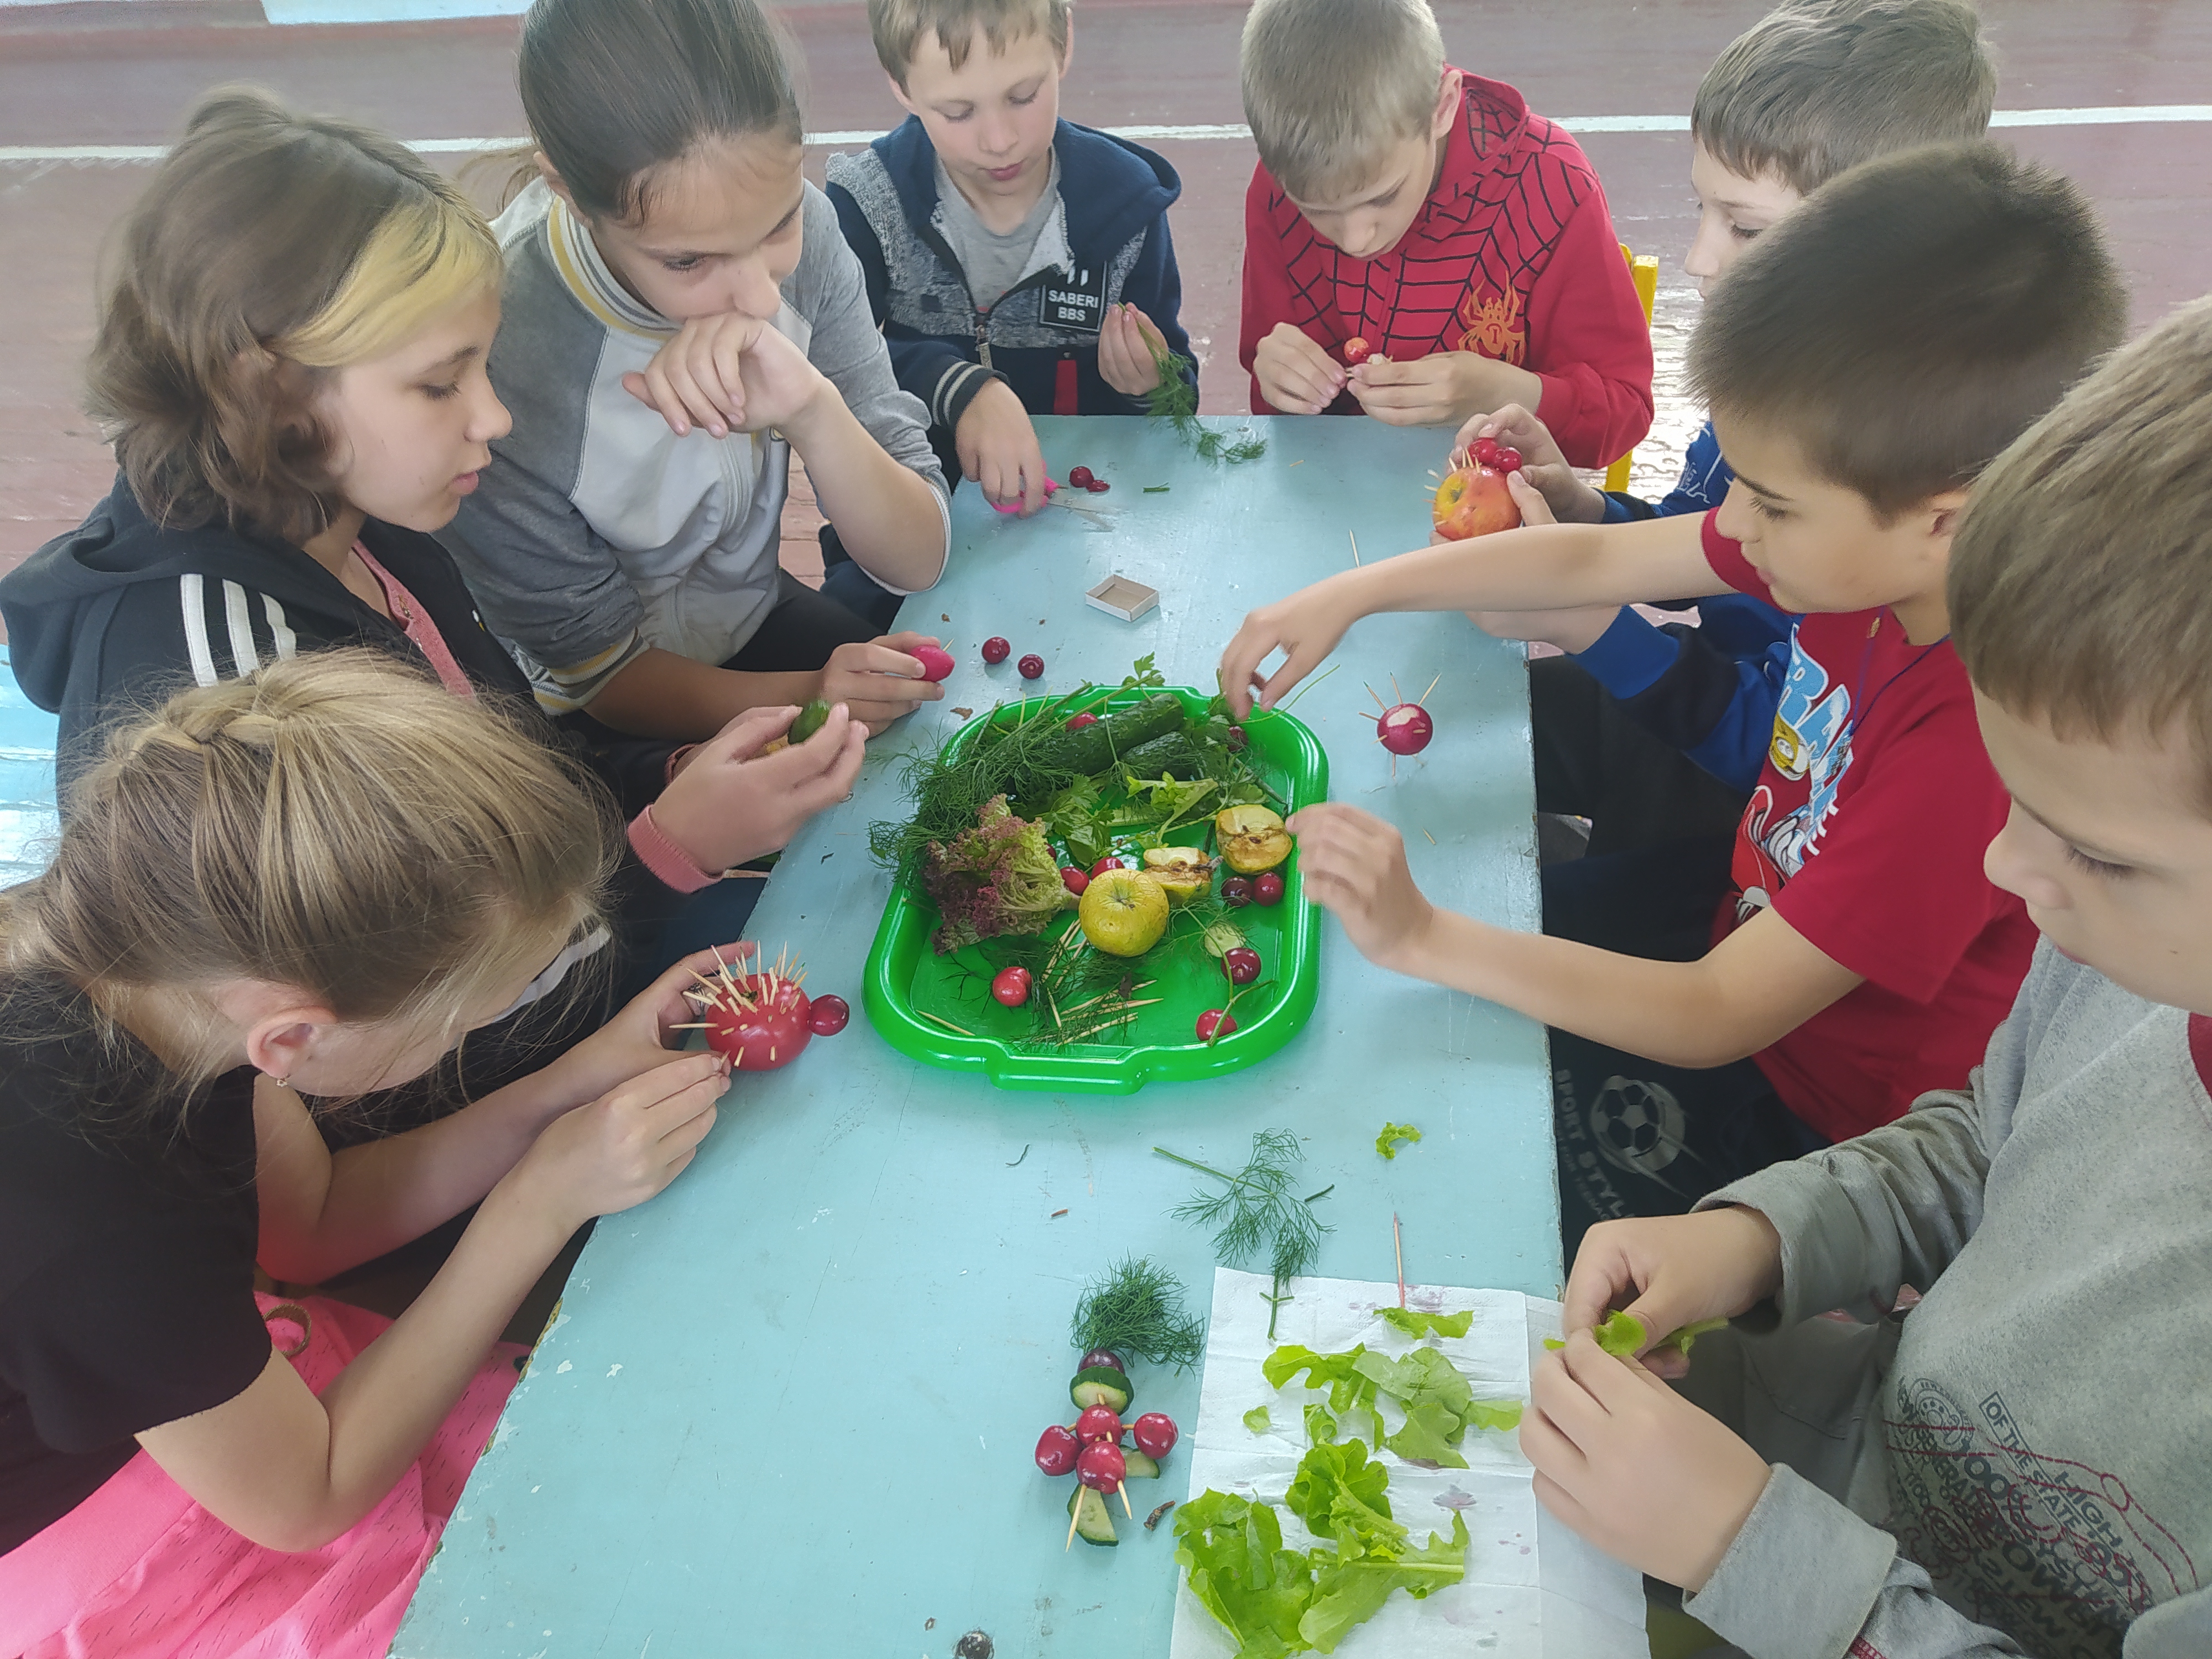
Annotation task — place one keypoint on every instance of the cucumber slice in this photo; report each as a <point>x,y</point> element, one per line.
<point>1100,1385</point>
<point>1138,1466</point>
<point>1094,1522</point>
<point>810,720</point>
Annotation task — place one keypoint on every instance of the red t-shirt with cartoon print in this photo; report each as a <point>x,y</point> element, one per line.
<point>1512,256</point>
<point>1866,834</point>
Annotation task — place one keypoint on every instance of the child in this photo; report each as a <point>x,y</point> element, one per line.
<point>291,360</point>
<point>1654,736</point>
<point>1018,263</point>
<point>1426,212</point>
<point>306,885</point>
<point>681,316</point>
<point>2021,1459</point>
<point>1865,360</point>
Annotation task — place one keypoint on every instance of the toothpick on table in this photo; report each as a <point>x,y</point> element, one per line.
<point>1398,1249</point>
<point>1123,1491</point>
<point>1355,548</point>
<point>1074,1512</point>
<point>1432,839</point>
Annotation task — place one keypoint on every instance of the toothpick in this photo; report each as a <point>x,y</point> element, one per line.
<point>1121,1488</point>
<point>714,990</point>
<point>724,966</point>
<point>1379,703</point>
<point>1395,691</point>
<point>1423,697</point>
<point>700,1025</point>
<point>1355,549</point>
<point>1398,1248</point>
<point>1432,839</point>
<point>1074,1513</point>
<point>738,873</point>
<point>946,1023</point>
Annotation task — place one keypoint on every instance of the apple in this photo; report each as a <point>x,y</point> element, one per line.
<point>1252,839</point>
<point>1184,871</point>
<point>1473,501</point>
<point>1124,912</point>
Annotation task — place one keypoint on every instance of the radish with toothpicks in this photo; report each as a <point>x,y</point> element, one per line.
<point>761,1020</point>
<point>1403,728</point>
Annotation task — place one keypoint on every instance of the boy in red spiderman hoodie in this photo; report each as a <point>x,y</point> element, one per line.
<point>1418,246</point>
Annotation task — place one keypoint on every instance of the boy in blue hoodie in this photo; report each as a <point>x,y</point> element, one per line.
<point>1019,264</point>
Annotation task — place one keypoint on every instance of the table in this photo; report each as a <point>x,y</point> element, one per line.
<point>787,1407</point>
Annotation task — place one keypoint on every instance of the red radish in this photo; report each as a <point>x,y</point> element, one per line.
<point>1215,1021</point>
<point>1079,477</point>
<point>936,662</point>
<point>996,650</point>
<point>760,1021</point>
<point>1057,1449</point>
<point>1357,351</point>
<point>1508,460</point>
<point>1105,1357</point>
<point>1098,486</point>
<point>1074,880</point>
<point>1405,730</point>
<point>1236,892</point>
<point>1155,1433</point>
<point>1015,505</point>
<point>1485,452</point>
<point>1012,986</point>
<point>1109,862</point>
<point>828,1015</point>
<point>1031,666</point>
<point>1098,1423</point>
<point>1241,964</point>
<point>1236,738</point>
<point>1101,1467</point>
<point>1267,889</point>
<point>1079,721</point>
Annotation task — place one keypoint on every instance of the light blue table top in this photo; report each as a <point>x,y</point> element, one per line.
<point>788,1407</point>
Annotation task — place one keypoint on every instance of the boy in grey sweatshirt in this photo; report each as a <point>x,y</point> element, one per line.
<point>2022,1463</point>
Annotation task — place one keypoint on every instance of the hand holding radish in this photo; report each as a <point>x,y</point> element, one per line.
<point>731,803</point>
<point>880,680</point>
<point>1126,342</point>
<point>1569,500</point>
<point>997,449</point>
<point>622,1148</point>
<point>1295,374</point>
<point>1354,866</point>
<point>640,1037</point>
<point>727,373</point>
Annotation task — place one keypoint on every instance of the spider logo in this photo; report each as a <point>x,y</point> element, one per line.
<point>1493,326</point>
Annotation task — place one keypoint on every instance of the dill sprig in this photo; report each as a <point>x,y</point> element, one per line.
<point>1137,1309</point>
<point>1175,400</point>
<point>1257,1212</point>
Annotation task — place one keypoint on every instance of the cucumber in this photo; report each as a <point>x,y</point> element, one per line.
<point>1138,1466</point>
<point>809,722</point>
<point>1171,756</point>
<point>1100,1385</point>
<point>1091,748</point>
<point>1094,1522</point>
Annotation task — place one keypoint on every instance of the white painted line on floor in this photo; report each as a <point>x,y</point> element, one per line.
<point>2099,116</point>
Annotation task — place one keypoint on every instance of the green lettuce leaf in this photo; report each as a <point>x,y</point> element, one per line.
<point>1415,1323</point>
<point>1257,1420</point>
<point>1421,1378</point>
<point>1324,1370</point>
<point>1232,1549</point>
<point>1498,1415</point>
<point>1352,1588</point>
<point>1428,1436</point>
<point>1328,1472</point>
<point>1320,1427</point>
<point>1386,1142</point>
<point>1621,1334</point>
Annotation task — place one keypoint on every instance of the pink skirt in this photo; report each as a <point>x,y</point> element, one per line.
<point>138,1570</point>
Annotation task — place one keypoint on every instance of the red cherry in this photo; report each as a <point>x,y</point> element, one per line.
<point>1485,452</point>
<point>1155,1433</point>
<point>1080,477</point>
<point>1081,721</point>
<point>1267,889</point>
<point>1057,1448</point>
<point>828,1015</point>
<point>1074,880</point>
<point>1212,1020</point>
<point>1405,730</point>
<point>1109,862</point>
<point>1241,964</point>
<point>1508,460</point>
<point>1105,1357</point>
<point>1236,892</point>
<point>1236,738</point>
<point>996,649</point>
<point>1098,1423</point>
<point>1012,986</point>
<point>1357,351</point>
<point>1031,666</point>
<point>1101,1467</point>
<point>1098,486</point>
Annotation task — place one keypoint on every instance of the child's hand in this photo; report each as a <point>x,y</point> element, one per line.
<point>1679,1269</point>
<point>1304,628</point>
<point>998,448</point>
<point>1295,376</point>
<point>1570,500</point>
<point>730,372</point>
<point>878,680</point>
<point>641,1037</point>
<point>731,803</point>
<point>1635,1468</point>
<point>1441,389</point>
<point>1127,341</point>
<point>626,1146</point>
<point>1354,865</point>
<point>1576,629</point>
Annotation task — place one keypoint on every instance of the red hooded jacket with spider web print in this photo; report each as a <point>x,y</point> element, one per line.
<point>1513,256</point>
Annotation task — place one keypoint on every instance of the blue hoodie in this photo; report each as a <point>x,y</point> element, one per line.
<point>1107,243</point>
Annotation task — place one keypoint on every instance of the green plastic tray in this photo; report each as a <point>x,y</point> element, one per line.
<point>905,977</point>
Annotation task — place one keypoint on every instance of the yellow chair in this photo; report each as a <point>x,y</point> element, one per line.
<point>1643,271</point>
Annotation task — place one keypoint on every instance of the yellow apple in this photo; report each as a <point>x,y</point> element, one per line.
<point>1124,912</point>
<point>1252,839</point>
<point>1184,871</point>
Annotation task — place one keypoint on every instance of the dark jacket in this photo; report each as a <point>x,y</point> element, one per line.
<point>1041,337</point>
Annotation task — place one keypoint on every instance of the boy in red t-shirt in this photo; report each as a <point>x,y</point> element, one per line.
<point>1864,361</point>
<point>1406,208</point>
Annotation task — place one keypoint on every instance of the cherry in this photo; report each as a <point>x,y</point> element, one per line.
<point>1080,477</point>
<point>1485,452</point>
<point>1057,1449</point>
<point>1241,964</point>
<point>1155,1433</point>
<point>1237,739</point>
<point>1102,1467</point>
<point>1074,880</point>
<point>1012,986</point>
<point>1508,460</point>
<point>1357,351</point>
<point>1267,889</point>
<point>1031,666</point>
<point>1213,1020</point>
<point>1098,486</point>
<point>995,649</point>
<point>828,1016</point>
<point>1079,721</point>
<point>1105,1357</point>
<point>1236,892</point>
<point>1098,1423</point>
<point>1109,862</point>
<point>1405,730</point>
<point>936,661</point>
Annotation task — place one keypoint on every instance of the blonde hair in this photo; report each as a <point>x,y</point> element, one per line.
<point>2080,581</point>
<point>1331,85</point>
<point>270,250</point>
<point>899,24</point>
<point>339,823</point>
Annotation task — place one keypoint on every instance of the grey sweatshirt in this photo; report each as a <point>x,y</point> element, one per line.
<point>596,531</point>
<point>2033,1471</point>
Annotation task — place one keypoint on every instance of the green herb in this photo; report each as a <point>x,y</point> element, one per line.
<point>1415,1323</point>
<point>1386,1142</point>
<point>1258,1421</point>
<point>1621,1334</point>
<point>1257,1211</point>
<point>1146,677</point>
<point>1156,489</point>
<point>1137,1307</point>
<point>1175,400</point>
